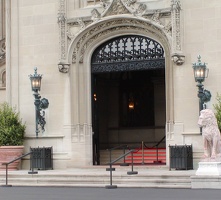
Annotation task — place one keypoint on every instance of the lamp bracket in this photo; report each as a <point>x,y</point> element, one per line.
<point>206,96</point>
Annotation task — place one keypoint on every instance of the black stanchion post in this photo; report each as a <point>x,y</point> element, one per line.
<point>6,176</point>
<point>111,186</point>
<point>109,169</point>
<point>132,166</point>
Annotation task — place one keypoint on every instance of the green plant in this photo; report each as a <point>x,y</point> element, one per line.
<point>217,108</point>
<point>11,127</point>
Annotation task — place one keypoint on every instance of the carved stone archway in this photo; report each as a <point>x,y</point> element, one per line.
<point>82,47</point>
<point>79,55</point>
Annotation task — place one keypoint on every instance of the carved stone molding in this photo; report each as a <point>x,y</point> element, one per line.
<point>62,30</point>
<point>2,51</point>
<point>80,133</point>
<point>113,26</point>
<point>63,67</point>
<point>176,27</point>
<point>159,22</point>
<point>95,15</point>
<point>178,59</point>
<point>117,7</point>
<point>156,17</point>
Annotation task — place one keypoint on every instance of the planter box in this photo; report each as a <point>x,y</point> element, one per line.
<point>9,153</point>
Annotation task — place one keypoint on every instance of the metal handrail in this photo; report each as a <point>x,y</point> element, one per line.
<point>8,163</point>
<point>111,169</point>
<point>114,161</point>
<point>117,147</point>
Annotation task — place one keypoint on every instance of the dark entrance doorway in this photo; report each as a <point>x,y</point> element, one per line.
<point>128,91</point>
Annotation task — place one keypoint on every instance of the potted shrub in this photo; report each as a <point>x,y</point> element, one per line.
<point>11,135</point>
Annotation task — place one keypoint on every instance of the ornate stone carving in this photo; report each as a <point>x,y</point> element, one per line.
<point>62,27</point>
<point>125,7</point>
<point>115,25</point>
<point>81,23</point>
<point>140,10</point>
<point>178,59</point>
<point>95,15</point>
<point>2,51</point>
<point>104,4</point>
<point>70,35</point>
<point>130,2</point>
<point>175,10</point>
<point>118,8</point>
<point>168,27</point>
<point>63,67</point>
<point>156,17</point>
<point>210,133</point>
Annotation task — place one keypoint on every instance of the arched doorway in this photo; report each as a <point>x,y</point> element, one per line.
<point>128,92</point>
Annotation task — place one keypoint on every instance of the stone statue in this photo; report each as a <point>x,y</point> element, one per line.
<point>210,133</point>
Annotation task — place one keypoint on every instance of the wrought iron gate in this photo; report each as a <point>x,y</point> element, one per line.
<point>128,53</point>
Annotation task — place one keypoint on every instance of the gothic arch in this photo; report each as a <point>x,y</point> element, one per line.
<point>84,44</point>
<point>115,25</point>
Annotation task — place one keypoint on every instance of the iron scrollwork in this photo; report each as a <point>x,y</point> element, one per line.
<point>128,53</point>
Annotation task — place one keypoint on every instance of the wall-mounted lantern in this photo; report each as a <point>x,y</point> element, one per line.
<point>201,72</point>
<point>40,104</point>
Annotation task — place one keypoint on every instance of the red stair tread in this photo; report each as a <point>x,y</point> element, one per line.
<point>147,155</point>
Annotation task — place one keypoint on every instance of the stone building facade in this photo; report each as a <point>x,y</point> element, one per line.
<point>98,56</point>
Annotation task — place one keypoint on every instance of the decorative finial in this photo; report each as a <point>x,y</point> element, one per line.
<point>35,70</point>
<point>199,58</point>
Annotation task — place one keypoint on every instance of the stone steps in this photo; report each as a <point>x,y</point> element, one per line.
<point>122,182</point>
<point>100,178</point>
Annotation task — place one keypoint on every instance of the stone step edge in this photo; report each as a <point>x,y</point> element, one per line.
<point>94,185</point>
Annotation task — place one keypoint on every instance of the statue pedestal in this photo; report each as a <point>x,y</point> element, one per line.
<point>209,168</point>
<point>208,175</point>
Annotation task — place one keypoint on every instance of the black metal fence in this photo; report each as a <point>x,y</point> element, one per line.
<point>181,157</point>
<point>41,158</point>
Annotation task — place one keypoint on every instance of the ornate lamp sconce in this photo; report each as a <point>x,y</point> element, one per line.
<point>40,104</point>
<point>200,73</point>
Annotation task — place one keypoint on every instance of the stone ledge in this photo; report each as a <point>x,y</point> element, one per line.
<point>44,137</point>
<point>209,168</point>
